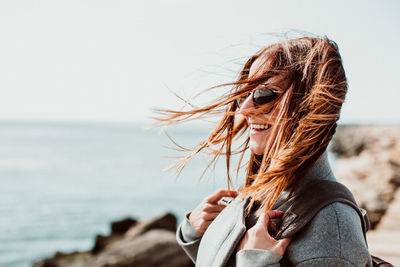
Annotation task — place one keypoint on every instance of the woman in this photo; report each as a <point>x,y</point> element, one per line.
<point>288,95</point>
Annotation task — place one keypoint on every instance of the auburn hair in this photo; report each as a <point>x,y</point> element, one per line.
<point>309,108</point>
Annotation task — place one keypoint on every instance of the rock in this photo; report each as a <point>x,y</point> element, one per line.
<point>369,164</point>
<point>156,248</point>
<point>384,242</point>
<point>120,227</point>
<point>166,221</point>
<point>102,242</point>
<point>75,259</point>
<point>146,243</point>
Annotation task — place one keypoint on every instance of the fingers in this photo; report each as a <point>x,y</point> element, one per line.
<point>210,216</point>
<point>214,198</point>
<point>265,223</point>
<point>263,220</point>
<point>271,226</point>
<point>273,214</point>
<point>258,236</point>
<point>208,210</point>
<point>213,208</point>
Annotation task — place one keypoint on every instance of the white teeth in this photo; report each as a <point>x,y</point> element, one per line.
<point>259,126</point>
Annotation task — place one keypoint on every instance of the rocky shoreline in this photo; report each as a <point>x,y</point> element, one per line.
<point>148,243</point>
<point>368,162</point>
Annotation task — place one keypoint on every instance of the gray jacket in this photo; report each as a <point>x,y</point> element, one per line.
<point>333,238</point>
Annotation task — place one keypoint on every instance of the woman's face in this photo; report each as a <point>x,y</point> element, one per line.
<point>260,123</point>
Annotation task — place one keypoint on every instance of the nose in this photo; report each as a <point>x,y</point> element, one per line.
<point>246,105</point>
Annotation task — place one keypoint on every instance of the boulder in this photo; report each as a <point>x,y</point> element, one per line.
<point>101,242</point>
<point>165,221</point>
<point>145,243</point>
<point>155,248</point>
<point>74,259</point>
<point>369,164</point>
<point>120,227</point>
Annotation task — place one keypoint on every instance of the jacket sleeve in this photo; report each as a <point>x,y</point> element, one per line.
<point>257,258</point>
<point>188,238</point>
<point>326,262</point>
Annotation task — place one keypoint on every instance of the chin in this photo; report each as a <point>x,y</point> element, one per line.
<point>258,143</point>
<point>257,149</point>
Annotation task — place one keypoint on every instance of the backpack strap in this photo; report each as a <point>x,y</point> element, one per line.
<point>317,196</point>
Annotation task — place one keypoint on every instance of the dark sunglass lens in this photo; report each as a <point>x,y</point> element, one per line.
<point>264,96</point>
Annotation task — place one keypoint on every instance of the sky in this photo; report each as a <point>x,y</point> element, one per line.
<point>115,61</point>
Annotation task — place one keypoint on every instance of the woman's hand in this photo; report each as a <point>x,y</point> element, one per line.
<point>258,236</point>
<point>202,216</point>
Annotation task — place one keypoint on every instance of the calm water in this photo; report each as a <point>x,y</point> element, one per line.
<point>61,184</point>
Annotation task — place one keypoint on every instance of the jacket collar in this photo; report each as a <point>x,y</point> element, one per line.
<point>223,235</point>
<point>321,170</point>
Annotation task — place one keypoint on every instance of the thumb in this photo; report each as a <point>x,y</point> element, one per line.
<point>266,217</point>
<point>262,222</point>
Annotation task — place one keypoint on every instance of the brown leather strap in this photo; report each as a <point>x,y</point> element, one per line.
<point>317,196</point>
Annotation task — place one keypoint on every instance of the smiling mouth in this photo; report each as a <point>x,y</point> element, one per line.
<point>259,127</point>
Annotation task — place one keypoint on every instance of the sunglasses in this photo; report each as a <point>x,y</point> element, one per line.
<point>260,97</point>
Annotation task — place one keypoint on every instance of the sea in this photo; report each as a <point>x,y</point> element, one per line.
<point>61,184</point>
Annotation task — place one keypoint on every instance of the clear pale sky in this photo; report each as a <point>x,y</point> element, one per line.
<point>114,60</point>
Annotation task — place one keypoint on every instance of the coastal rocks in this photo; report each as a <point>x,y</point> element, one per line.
<point>166,221</point>
<point>131,243</point>
<point>154,248</point>
<point>122,226</point>
<point>117,230</point>
<point>369,164</point>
